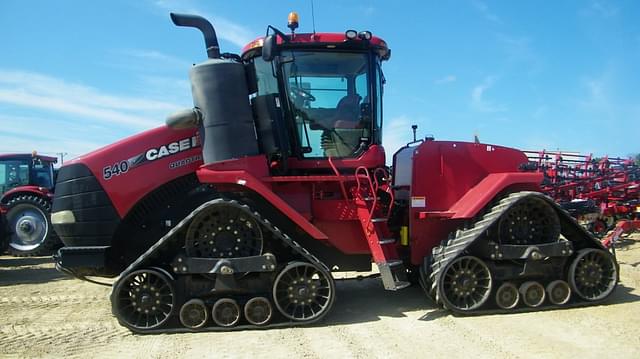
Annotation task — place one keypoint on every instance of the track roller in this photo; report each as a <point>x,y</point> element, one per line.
<point>507,296</point>
<point>593,274</point>
<point>194,314</point>
<point>226,312</point>
<point>533,293</point>
<point>258,311</point>
<point>559,292</point>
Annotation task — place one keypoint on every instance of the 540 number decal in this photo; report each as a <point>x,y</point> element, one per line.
<point>115,169</point>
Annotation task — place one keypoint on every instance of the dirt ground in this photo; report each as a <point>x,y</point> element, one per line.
<point>45,314</point>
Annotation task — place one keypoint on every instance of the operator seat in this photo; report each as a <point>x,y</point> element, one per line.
<point>347,112</point>
<point>342,139</point>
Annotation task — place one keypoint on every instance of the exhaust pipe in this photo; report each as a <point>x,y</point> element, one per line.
<point>202,24</point>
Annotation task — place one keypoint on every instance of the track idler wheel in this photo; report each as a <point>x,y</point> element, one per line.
<point>194,314</point>
<point>533,293</point>
<point>223,231</point>
<point>258,311</point>
<point>144,299</point>
<point>226,312</point>
<point>303,292</point>
<point>559,292</point>
<point>465,284</point>
<point>593,274</point>
<point>529,221</point>
<point>507,296</point>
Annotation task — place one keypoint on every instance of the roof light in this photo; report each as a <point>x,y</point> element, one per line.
<point>365,35</point>
<point>351,34</point>
<point>292,20</point>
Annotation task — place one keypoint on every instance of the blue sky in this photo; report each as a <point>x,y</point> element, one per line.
<point>76,75</point>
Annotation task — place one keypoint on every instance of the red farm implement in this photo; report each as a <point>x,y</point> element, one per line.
<point>598,192</point>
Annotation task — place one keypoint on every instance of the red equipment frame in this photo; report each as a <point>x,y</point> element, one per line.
<point>613,183</point>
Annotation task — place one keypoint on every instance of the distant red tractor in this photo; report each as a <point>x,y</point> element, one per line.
<point>26,187</point>
<point>236,213</point>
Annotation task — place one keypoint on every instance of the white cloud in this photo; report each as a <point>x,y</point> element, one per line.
<point>37,91</point>
<point>483,8</point>
<point>368,10</point>
<point>156,57</point>
<point>50,136</point>
<point>598,96</point>
<point>540,112</point>
<point>478,100</point>
<point>235,33</point>
<point>397,133</point>
<point>446,79</point>
<point>600,8</point>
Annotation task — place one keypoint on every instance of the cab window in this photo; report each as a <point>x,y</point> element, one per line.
<point>329,95</point>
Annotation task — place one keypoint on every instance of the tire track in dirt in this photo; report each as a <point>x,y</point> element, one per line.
<point>63,339</point>
<point>51,300</point>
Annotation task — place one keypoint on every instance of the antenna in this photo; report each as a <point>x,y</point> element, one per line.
<point>61,154</point>
<point>313,18</point>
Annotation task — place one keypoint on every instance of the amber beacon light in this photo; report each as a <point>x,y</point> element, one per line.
<point>292,21</point>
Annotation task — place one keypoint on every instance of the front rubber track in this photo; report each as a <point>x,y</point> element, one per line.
<point>160,253</point>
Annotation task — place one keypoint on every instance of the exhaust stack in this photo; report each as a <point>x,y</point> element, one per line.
<point>202,24</point>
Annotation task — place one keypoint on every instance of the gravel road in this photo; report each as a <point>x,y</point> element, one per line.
<point>45,314</point>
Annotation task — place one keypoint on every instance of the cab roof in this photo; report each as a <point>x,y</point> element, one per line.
<point>23,156</point>
<point>329,40</point>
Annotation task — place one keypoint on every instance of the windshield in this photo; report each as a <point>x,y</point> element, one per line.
<point>329,98</point>
<point>13,174</point>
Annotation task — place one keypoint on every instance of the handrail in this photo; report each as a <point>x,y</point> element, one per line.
<point>388,189</point>
<point>340,179</point>
<point>371,188</point>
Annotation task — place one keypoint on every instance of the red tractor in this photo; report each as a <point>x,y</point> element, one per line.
<point>236,213</point>
<point>26,185</point>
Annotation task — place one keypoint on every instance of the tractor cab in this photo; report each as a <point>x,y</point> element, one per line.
<point>317,96</point>
<point>18,170</point>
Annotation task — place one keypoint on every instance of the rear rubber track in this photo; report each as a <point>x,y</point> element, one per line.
<point>459,246</point>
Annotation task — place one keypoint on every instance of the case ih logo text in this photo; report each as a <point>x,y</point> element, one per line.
<point>150,155</point>
<point>172,148</point>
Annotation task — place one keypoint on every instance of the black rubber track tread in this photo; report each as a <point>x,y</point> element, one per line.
<point>155,250</point>
<point>51,241</point>
<point>451,249</point>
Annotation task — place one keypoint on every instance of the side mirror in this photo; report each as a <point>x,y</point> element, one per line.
<point>269,48</point>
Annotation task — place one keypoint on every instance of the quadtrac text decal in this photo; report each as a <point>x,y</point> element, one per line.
<point>153,154</point>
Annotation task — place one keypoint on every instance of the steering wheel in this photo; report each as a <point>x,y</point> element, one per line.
<point>302,94</point>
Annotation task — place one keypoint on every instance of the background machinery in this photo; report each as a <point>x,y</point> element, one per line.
<point>598,192</point>
<point>236,213</point>
<point>26,188</point>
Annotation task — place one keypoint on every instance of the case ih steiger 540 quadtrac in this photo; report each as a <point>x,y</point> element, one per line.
<point>26,193</point>
<point>236,213</point>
